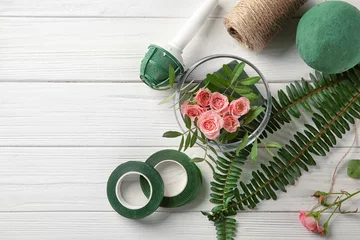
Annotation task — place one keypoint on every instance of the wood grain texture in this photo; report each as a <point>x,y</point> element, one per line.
<point>95,114</point>
<point>72,108</point>
<point>74,179</point>
<point>117,8</point>
<point>93,49</point>
<point>162,226</point>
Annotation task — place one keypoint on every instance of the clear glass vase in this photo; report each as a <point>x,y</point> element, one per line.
<point>197,73</point>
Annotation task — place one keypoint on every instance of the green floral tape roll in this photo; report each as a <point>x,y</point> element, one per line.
<point>193,183</point>
<point>153,181</point>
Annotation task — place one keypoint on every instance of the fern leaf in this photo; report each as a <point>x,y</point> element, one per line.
<point>286,168</point>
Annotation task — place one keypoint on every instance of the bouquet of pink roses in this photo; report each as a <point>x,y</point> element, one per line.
<point>219,110</point>
<point>213,112</point>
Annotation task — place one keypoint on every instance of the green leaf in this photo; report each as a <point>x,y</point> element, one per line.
<point>254,151</point>
<point>194,88</point>
<point>194,138</point>
<point>171,76</point>
<point>168,99</point>
<point>273,145</point>
<point>181,143</point>
<point>237,71</point>
<point>187,121</point>
<point>250,81</point>
<point>353,170</point>
<point>210,78</point>
<point>187,85</point>
<point>252,114</point>
<point>172,134</point>
<point>227,71</point>
<point>243,143</point>
<point>187,141</point>
<point>242,90</point>
<point>213,150</point>
<point>251,96</point>
<point>222,79</point>
<point>197,160</point>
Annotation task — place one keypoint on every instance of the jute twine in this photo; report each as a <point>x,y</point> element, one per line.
<point>255,22</point>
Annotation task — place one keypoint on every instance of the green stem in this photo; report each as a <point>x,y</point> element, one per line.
<point>341,201</point>
<point>332,214</point>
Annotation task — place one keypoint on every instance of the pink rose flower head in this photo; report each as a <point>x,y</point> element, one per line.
<point>184,106</point>
<point>219,102</point>
<point>193,111</point>
<point>239,107</point>
<point>203,97</point>
<point>310,223</point>
<point>231,123</point>
<point>210,123</point>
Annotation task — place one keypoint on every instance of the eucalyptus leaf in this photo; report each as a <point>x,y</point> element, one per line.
<point>251,96</point>
<point>250,81</point>
<point>187,85</point>
<point>252,114</point>
<point>194,88</point>
<point>197,160</point>
<point>238,71</point>
<point>243,143</point>
<point>227,71</point>
<point>171,76</point>
<point>353,169</point>
<point>254,151</point>
<point>242,90</point>
<point>213,150</point>
<point>212,79</point>
<point>194,138</point>
<point>168,99</point>
<point>222,79</point>
<point>181,143</point>
<point>187,141</point>
<point>273,145</point>
<point>187,121</point>
<point>172,134</point>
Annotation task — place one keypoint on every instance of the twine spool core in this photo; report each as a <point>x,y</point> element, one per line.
<point>254,23</point>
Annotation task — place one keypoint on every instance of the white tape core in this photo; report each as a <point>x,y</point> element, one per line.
<point>132,178</point>
<point>174,177</point>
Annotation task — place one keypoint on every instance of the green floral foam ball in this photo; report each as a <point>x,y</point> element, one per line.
<point>328,37</point>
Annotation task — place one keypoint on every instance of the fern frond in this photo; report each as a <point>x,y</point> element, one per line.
<point>302,94</point>
<point>227,176</point>
<point>225,228</point>
<point>285,168</point>
<point>333,101</point>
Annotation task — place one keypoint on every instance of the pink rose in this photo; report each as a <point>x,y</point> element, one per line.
<point>239,107</point>
<point>203,97</point>
<point>184,106</point>
<point>225,111</point>
<point>310,223</point>
<point>219,102</point>
<point>210,123</point>
<point>231,123</point>
<point>193,111</point>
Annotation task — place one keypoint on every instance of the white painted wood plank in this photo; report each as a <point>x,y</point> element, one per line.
<point>93,114</point>
<point>177,226</point>
<point>74,179</point>
<point>117,8</point>
<point>90,49</point>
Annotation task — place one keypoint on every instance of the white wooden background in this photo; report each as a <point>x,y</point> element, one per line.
<point>72,108</point>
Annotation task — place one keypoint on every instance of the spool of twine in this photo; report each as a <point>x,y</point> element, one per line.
<point>254,23</point>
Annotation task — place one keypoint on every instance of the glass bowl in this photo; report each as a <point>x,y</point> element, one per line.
<point>197,73</point>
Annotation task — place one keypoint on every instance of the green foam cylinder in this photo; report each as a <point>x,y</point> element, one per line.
<point>154,68</point>
<point>328,37</point>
